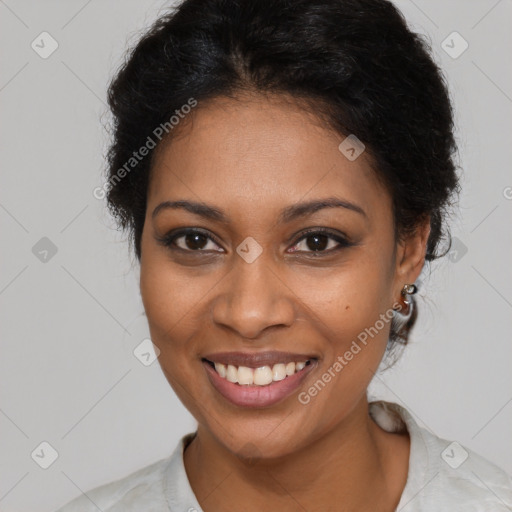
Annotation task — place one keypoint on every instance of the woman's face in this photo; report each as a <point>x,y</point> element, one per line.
<point>252,284</point>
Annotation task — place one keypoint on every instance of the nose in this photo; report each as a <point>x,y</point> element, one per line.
<point>252,298</point>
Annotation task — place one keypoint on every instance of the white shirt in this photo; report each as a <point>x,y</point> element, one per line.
<point>443,476</point>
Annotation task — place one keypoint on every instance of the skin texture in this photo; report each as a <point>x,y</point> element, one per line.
<point>251,157</point>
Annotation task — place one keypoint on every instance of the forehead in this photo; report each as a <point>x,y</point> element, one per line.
<point>259,153</point>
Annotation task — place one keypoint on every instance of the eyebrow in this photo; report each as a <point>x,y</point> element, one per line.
<point>287,214</point>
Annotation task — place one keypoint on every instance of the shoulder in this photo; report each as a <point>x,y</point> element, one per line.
<point>444,474</point>
<point>465,478</point>
<point>143,489</point>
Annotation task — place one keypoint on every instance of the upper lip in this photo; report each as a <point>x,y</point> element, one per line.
<point>257,359</point>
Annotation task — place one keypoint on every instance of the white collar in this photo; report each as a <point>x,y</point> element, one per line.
<point>389,416</point>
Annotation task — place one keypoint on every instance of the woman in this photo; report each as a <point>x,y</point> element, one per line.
<point>284,170</point>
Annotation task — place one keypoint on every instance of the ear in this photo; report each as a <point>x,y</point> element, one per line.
<point>410,256</point>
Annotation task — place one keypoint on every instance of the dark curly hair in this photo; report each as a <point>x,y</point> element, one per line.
<point>354,62</point>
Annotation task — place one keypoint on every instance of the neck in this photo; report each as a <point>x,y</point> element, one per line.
<point>354,466</point>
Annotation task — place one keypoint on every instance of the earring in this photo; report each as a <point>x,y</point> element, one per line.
<point>404,315</point>
<point>408,289</point>
<point>406,302</point>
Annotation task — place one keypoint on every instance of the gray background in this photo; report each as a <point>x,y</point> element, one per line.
<point>70,324</point>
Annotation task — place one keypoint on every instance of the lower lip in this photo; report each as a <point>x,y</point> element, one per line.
<point>257,396</point>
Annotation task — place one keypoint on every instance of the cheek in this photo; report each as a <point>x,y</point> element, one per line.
<point>170,293</point>
<point>352,313</point>
<point>169,299</point>
<point>354,321</point>
<point>350,299</point>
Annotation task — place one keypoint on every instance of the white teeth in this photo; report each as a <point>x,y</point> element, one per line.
<point>245,375</point>
<point>278,372</point>
<point>261,376</point>
<point>232,373</point>
<point>221,369</point>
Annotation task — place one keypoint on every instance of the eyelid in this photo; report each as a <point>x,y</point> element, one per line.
<point>326,231</point>
<point>342,240</point>
<point>168,240</point>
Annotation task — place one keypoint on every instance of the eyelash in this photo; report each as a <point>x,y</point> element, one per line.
<point>169,239</point>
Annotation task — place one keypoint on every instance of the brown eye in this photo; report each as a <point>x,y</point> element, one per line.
<point>189,240</point>
<point>320,241</point>
<point>193,241</point>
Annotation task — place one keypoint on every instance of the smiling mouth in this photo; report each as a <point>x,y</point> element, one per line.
<point>260,376</point>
